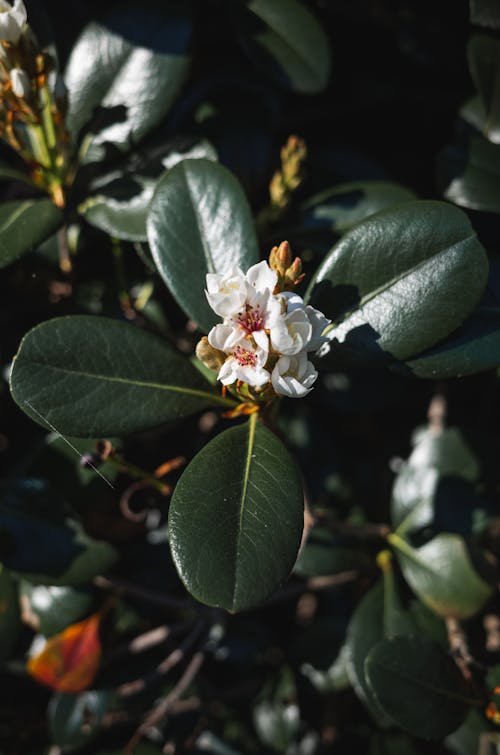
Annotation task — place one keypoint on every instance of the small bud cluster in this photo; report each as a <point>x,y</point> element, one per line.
<point>267,331</point>
<point>287,180</point>
<point>31,112</point>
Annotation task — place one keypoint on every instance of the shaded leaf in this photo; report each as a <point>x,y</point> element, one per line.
<point>443,576</point>
<point>50,609</point>
<point>341,207</point>
<point>436,454</point>
<point>323,554</point>
<point>374,284</point>
<point>93,376</point>
<point>469,174</point>
<point>484,64</point>
<point>24,224</point>
<point>418,686</point>
<point>236,518</point>
<point>285,41</point>
<point>199,222</point>
<point>125,70</point>
<point>75,720</point>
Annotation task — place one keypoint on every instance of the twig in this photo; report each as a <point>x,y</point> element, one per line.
<point>65,264</point>
<point>458,647</point>
<point>166,705</point>
<point>122,587</point>
<point>312,585</point>
<point>168,663</point>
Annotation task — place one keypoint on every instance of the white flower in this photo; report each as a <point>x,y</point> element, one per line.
<point>261,277</point>
<point>291,333</point>
<point>245,363</point>
<point>12,20</point>
<point>20,81</point>
<point>293,375</point>
<point>319,322</point>
<point>226,293</point>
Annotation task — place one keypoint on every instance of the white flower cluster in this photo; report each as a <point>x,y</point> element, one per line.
<point>265,335</point>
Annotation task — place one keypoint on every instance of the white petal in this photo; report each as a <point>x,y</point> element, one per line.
<point>261,277</point>
<point>219,335</point>
<point>319,322</point>
<point>293,376</point>
<point>261,339</point>
<point>227,373</point>
<point>293,301</point>
<point>21,85</point>
<point>19,12</point>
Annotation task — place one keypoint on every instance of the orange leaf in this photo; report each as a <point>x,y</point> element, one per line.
<point>70,660</point>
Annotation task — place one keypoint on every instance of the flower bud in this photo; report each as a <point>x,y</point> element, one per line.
<point>12,20</point>
<point>289,273</point>
<point>21,85</point>
<point>209,356</point>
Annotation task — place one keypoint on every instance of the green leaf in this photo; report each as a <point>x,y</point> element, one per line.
<point>436,454</point>
<point>236,518</point>
<point>485,13</point>
<point>125,71</point>
<point>365,630</point>
<point>341,207</point>
<point>75,720</point>
<point>443,576</point>
<point>285,41</point>
<point>9,614</point>
<point>399,281</point>
<point>199,222</point>
<point>469,174</point>
<point>119,202</point>
<point>484,64</point>
<point>24,225</point>
<point>466,739</point>
<point>92,376</point>
<point>418,686</point>
<point>323,554</point>
<point>51,609</point>
<point>473,348</point>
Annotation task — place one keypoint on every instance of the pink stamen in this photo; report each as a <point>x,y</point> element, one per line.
<point>244,357</point>
<point>251,319</point>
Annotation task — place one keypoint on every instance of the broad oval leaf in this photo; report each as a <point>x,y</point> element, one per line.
<point>49,609</point>
<point>400,281</point>
<point>120,208</point>
<point>484,64</point>
<point>285,41</point>
<point>443,576</point>
<point>199,222</point>
<point>419,686</point>
<point>92,376</point>
<point>236,518</point>
<point>24,225</point>
<point>125,71</point>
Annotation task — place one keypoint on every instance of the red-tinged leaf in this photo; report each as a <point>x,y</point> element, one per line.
<point>70,660</point>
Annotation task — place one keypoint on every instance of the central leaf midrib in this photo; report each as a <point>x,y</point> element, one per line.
<point>129,381</point>
<point>392,282</point>
<point>298,53</point>
<point>18,212</point>
<point>252,422</point>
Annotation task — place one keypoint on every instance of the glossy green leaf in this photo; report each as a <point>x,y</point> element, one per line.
<point>92,376</point>
<point>75,720</point>
<point>400,281</point>
<point>473,348</point>
<point>236,518</point>
<point>24,224</point>
<point>9,614</point>
<point>284,40</point>
<point>120,208</point>
<point>469,174</point>
<point>485,13</point>
<point>435,454</point>
<point>51,609</point>
<point>484,64</point>
<point>199,222</point>
<point>419,686</point>
<point>443,576</point>
<point>341,207</point>
<point>125,70</point>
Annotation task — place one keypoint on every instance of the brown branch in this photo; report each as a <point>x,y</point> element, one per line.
<point>122,587</point>
<point>166,705</point>
<point>312,585</point>
<point>458,647</point>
